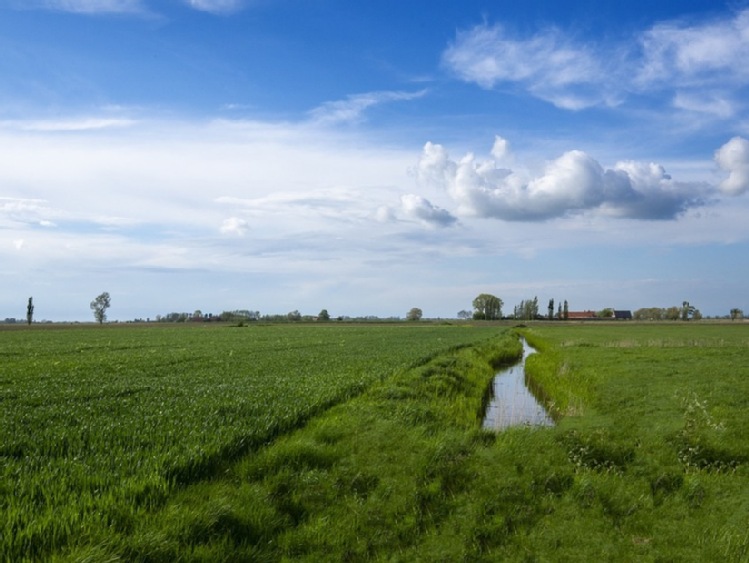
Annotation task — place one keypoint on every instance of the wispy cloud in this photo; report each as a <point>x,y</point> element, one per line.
<point>575,183</point>
<point>217,6</point>
<point>352,108</point>
<point>328,204</point>
<point>91,6</point>
<point>703,66</point>
<point>684,54</point>
<point>716,104</point>
<point>139,7</point>
<point>25,211</point>
<point>548,64</point>
<point>70,124</point>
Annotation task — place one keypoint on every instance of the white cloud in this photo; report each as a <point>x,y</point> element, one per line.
<point>352,108</point>
<point>640,190</point>
<point>180,195</point>
<point>216,6</point>
<point>306,207</point>
<point>716,51</point>
<point>25,211</point>
<point>733,157</point>
<point>570,184</point>
<point>234,226</point>
<point>716,104</point>
<point>92,6</point>
<point>63,125</point>
<point>435,166</point>
<point>703,65</point>
<point>416,207</point>
<point>385,214</point>
<point>159,200</point>
<point>549,65</point>
<point>501,150</point>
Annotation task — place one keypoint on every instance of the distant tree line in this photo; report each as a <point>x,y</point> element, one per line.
<point>485,307</point>
<point>684,313</point>
<point>241,316</point>
<point>489,307</point>
<point>200,317</point>
<point>527,310</point>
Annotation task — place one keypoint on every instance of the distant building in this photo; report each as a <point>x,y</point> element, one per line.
<point>580,315</point>
<point>623,315</point>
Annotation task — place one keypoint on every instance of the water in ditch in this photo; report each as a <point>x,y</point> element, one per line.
<point>511,402</point>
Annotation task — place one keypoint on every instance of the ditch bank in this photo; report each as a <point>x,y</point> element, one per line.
<point>512,400</point>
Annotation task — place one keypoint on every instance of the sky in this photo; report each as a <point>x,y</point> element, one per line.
<point>371,157</point>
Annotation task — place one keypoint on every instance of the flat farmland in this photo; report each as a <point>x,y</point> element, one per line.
<point>364,443</point>
<point>101,424</point>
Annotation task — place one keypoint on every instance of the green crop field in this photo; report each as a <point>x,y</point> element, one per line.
<point>331,442</point>
<point>101,424</point>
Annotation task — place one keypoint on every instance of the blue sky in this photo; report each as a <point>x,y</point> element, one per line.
<point>371,157</point>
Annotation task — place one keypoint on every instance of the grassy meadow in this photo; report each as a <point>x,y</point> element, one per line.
<point>330,443</point>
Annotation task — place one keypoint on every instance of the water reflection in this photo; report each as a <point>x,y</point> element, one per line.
<point>512,403</point>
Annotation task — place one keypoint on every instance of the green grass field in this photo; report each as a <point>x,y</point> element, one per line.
<point>329,443</point>
<point>102,424</point>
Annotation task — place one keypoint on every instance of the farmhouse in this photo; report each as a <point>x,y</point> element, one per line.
<point>581,315</point>
<point>619,315</point>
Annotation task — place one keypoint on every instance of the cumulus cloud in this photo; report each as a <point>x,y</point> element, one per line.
<point>352,108</point>
<point>501,150</point>
<point>416,207</point>
<point>573,183</point>
<point>733,157</point>
<point>640,190</point>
